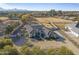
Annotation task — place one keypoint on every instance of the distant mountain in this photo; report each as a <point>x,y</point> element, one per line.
<point>15,9</point>
<point>1,9</point>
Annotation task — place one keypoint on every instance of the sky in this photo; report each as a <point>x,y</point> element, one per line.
<point>41,6</point>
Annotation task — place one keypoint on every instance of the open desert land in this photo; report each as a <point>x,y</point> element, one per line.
<point>4,18</point>
<point>48,44</point>
<point>53,19</point>
<point>45,22</point>
<point>57,21</point>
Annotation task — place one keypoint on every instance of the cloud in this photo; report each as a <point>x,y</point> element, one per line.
<point>6,6</point>
<point>3,5</point>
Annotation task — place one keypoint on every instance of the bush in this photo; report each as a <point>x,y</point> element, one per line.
<point>9,50</point>
<point>60,51</point>
<point>11,27</point>
<point>4,42</point>
<point>32,51</point>
<point>64,51</point>
<point>25,50</point>
<point>38,51</point>
<point>1,44</point>
<point>52,52</point>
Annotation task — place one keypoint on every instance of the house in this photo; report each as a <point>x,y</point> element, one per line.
<point>73,28</point>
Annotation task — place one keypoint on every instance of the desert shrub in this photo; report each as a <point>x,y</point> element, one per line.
<point>4,42</point>
<point>9,50</point>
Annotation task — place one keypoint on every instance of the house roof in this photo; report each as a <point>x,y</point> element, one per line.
<point>74,27</point>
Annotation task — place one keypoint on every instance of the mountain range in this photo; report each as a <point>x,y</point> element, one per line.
<point>15,9</point>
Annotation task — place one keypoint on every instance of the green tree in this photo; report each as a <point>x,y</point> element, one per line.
<point>52,12</point>
<point>25,18</point>
<point>59,13</point>
<point>9,29</point>
<point>19,15</point>
<point>13,15</point>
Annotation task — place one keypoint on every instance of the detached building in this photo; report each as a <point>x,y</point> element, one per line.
<point>73,28</point>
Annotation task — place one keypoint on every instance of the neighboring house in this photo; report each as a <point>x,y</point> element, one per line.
<point>73,28</point>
